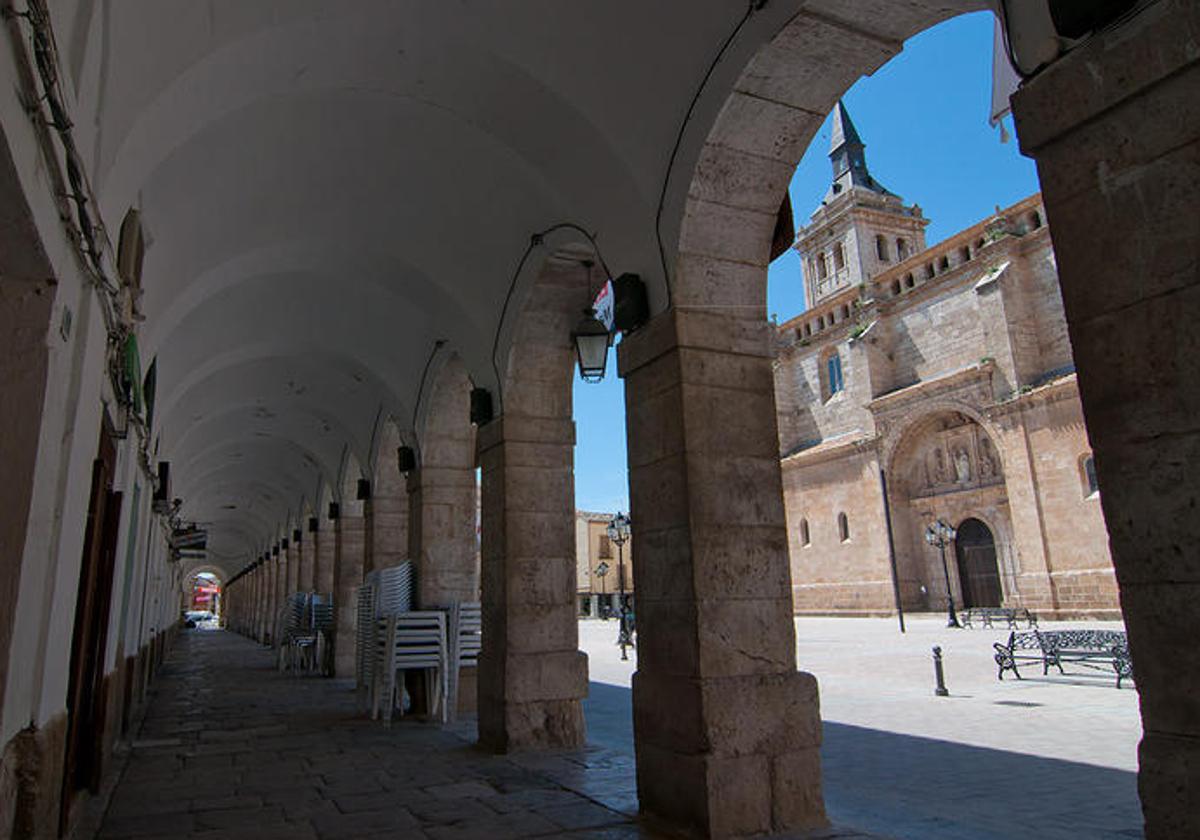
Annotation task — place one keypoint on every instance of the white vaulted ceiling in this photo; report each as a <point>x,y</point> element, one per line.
<point>329,187</point>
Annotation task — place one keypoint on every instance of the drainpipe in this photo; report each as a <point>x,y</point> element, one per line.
<point>887,517</point>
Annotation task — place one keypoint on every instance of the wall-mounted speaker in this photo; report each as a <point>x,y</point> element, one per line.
<point>364,490</point>
<point>406,459</point>
<point>481,406</point>
<point>334,510</point>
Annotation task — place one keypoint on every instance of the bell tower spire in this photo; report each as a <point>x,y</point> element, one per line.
<point>861,228</point>
<point>848,155</point>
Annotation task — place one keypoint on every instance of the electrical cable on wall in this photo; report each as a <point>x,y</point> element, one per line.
<point>751,8</point>
<point>535,241</point>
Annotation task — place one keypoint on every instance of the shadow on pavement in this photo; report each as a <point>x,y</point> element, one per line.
<point>912,788</point>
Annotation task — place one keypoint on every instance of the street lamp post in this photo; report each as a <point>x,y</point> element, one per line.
<point>602,572</point>
<point>940,534</point>
<point>618,534</point>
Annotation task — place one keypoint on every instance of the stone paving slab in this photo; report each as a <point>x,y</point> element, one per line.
<point>230,748</point>
<point>1048,757</point>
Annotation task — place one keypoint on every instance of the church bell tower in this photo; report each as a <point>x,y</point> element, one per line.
<point>860,229</point>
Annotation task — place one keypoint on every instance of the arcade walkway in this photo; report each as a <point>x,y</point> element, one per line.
<point>230,748</point>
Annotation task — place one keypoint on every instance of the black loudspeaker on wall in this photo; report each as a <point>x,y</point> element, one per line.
<point>481,406</point>
<point>334,510</point>
<point>364,490</point>
<point>406,459</point>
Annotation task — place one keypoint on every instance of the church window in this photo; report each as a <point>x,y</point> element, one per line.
<point>843,527</point>
<point>896,286</point>
<point>979,243</point>
<point>1035,220</point>
<point>805,537</point>
<point>881,248</point>
<point>1087,470</point>
<point>822,267</point>
<point>901,248</point>
<point>944,263</point>
<point>839,257</point>
<point>833,373</point>
<point>909,281</point>
<point>964,253</point>
<point>605,547</point>
<point>929,271</point>
<point>821,323</point>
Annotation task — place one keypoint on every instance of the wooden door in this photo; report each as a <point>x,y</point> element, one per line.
<point>85,691</point>
<point>978,573</point>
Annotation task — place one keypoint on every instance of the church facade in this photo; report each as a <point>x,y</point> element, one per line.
<point>928,384</point>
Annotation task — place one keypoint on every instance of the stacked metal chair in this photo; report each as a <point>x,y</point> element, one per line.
<point>304,644</point>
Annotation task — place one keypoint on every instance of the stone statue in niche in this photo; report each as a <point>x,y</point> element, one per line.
<point>962,466</point>
<point>987,466</point>
<point>939,474</point>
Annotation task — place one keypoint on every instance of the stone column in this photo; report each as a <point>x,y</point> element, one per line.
<point>348,576</point>
<point>1115,129</point>
<point>295,553</point>
<point>389,522</point>
<point>260,594</point>
<point>441,534</point>
<point>324,558</point>
<point>727,731</point>
<point>532,675</point>
<point>305,581</point>
<point>279,575</point>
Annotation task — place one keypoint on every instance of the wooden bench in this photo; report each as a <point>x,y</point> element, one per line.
<point>1097,649</point>
<point>987,615</point>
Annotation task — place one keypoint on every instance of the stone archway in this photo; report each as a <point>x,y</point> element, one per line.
<point>713,577</point>
<point>945,464</point>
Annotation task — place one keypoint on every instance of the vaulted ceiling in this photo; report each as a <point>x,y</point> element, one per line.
<point>329,188</point>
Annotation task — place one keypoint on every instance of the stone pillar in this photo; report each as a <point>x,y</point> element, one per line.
<point>260,610</point>
<point>388,511</point>
<point>295,553</point>
<point>324,557</point>
<point>441,534</point>
<point>305,581</point>
<point>348,576</point>
<point>532,675</point>
<point>1115,129</point>
<point>280,564</point>
<point>727,731</point>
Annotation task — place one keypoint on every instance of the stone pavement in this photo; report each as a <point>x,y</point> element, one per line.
<point>230,748</point>
<point>1047,757</point>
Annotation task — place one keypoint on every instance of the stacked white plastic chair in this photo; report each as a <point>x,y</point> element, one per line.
<point>415,641</point>
<point>465,638</point>
<point>365,655</point>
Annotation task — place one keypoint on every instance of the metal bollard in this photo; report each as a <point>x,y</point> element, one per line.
<point>940,691</point>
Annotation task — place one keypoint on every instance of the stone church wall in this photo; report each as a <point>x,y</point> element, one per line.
<point>829,574</point>
<point>1076,538</point>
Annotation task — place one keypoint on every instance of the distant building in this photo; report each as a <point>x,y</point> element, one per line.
<point>595,552</point>
<point>947,370</point>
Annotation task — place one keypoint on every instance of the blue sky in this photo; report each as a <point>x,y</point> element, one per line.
<point>923,117</point>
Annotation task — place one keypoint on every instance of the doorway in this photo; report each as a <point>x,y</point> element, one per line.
<point>85,693</point>
<point>975,549</point>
